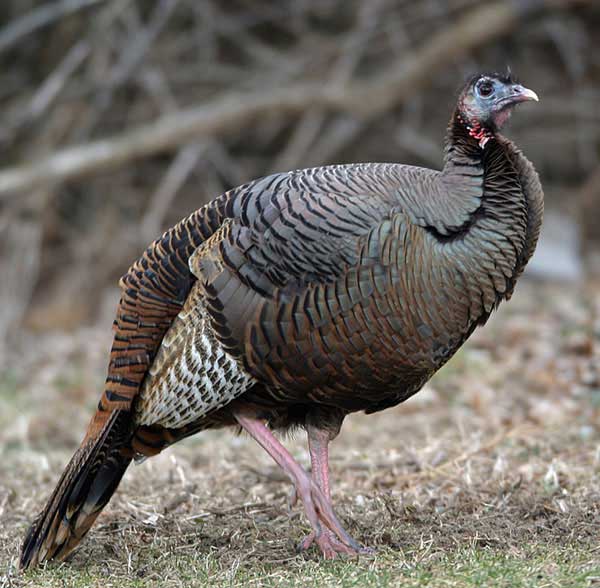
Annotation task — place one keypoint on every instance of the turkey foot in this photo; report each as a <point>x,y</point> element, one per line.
<point>318,444</point>
<point>328,532</point>
<point>330,546</point>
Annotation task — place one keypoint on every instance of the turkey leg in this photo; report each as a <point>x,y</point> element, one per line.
<point>334,538</point>
<point>318,445</point>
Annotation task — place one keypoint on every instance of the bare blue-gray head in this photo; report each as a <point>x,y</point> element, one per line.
<point>487,101</point>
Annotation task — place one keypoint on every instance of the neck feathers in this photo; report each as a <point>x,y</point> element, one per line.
<point>479,175</point>
<point>463,173</point>
<point>481,163</point>
<point>466,136</point>
<point>509,198</point>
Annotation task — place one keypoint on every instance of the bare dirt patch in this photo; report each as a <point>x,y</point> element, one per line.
<point>500,454</point>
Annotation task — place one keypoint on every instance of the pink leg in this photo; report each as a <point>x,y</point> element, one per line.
<point>318,444</point>
<point>316,504</point>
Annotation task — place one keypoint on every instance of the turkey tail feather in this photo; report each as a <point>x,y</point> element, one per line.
<point>84,489</point>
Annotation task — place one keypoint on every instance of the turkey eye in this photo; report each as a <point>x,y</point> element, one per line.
<point>485,89</point>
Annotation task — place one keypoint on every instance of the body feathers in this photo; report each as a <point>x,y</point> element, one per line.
<point>320,291</point>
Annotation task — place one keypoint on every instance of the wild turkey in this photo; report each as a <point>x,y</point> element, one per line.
<point>299,298</point>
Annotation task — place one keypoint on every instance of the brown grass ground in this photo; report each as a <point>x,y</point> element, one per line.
<point>489,476</point>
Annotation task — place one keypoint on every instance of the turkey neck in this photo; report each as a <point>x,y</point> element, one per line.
<point>495,241</point>
<point>464,167</point>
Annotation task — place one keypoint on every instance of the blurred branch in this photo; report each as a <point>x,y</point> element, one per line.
<point>38,18</point>
<point>130,58</point>
<point>20,242</point>
<point>47,93</point>
<point>55,82</point>
<point>182,166</point>
<point>366,99</point>
<point>311,124</point>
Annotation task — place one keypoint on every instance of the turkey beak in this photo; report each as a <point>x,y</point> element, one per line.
<point>514,94</point>
<point>520,93</point>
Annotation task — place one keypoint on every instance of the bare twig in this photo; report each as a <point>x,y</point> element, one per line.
<point>47,92</point>
<point>38,18</point>
<point>366,99</point>
<point>313,121</point>
<point>135,50</point>
<point>343,131</point>
<point>301,139</point>
<point>56,81</point>
<point>20,244</point>
<point>178,172</point>
<point>132,54</point>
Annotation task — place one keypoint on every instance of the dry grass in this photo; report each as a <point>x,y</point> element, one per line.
<point>490,476</point>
